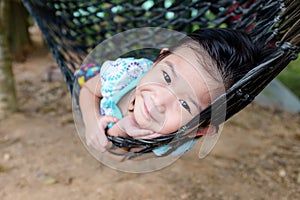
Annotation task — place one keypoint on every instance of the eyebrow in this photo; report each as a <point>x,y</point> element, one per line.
<point>171,66</point>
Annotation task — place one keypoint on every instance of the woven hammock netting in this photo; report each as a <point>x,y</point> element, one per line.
<point>72,28</point>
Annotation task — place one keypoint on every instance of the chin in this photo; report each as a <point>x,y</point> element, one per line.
<point>144,124</point>
<point>164,132</point>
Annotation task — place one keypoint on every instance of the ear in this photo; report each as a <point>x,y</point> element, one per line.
<point>161,52</point>
<point>208,130</point>
<point>164,50</point>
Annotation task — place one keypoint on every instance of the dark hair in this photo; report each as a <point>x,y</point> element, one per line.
<point>234,52</point>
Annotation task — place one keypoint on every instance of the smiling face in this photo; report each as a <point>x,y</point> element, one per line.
<point>174,91</point>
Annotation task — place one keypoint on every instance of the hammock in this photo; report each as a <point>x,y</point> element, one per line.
<point>73,28</point>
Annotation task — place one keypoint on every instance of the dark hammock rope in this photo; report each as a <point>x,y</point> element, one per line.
<point>291,23</point>
<point>73,28</point>
<point>70,37</point>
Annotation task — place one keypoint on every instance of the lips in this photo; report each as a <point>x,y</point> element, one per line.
<point>147,107</point>
<point>146,111</point>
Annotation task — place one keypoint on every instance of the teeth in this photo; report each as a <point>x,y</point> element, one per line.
<point>146,111</point>
<point>147,104</point>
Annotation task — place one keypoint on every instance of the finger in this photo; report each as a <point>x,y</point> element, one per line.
<point>101,145</point>
<point>93,142</point>
<point>107,119</point>
<point>136,132</point>
<point>98,140</point>
<point>150,136</point>
<point>102,142</point>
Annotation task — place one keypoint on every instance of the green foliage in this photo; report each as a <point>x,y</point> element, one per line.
<point>290,76</point>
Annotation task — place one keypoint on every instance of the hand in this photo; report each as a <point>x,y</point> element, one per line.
<point>95,133</point>
<point>131,128</point>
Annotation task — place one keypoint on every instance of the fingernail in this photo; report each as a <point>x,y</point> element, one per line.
<point>110,124</point>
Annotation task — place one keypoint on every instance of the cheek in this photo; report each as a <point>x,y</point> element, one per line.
<point>151,77</point>
<point>173,121</point>
<point>146,78</point>
<point>137,110</point>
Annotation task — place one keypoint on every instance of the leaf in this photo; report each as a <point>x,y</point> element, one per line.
<point>49,180</point>
<point>2,169</point>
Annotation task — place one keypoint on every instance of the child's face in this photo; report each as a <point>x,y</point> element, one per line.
<point>173,92</point>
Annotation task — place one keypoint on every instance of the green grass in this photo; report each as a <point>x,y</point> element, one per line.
<point>290,76</point>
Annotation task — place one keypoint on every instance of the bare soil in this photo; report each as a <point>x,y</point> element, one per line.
<point>42,157</point>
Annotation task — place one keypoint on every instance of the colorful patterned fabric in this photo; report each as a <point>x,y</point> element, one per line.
<point>85,72</point>
<point>118,78</point>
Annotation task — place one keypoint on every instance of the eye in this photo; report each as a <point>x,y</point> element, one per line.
<point>185,105</point>
<point>167,77</point>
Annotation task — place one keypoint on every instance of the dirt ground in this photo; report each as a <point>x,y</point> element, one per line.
<point>42,157</point>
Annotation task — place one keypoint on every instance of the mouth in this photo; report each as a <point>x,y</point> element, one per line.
<point>147,112</point>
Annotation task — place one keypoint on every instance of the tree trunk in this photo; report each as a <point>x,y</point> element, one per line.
<point>8,101</point>
<point>19,38</point>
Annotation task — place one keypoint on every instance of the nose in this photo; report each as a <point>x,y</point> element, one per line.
<point>163,98</point>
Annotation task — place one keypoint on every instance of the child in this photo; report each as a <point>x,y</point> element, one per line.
<point>145,100</point>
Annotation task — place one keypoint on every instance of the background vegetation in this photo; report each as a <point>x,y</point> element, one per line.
<point>290,76</point>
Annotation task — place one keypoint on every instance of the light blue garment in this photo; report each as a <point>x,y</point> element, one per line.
<point>118,78</point>
<point>185,147</point>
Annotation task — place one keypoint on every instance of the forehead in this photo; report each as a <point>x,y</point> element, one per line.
<point>189,75</point>
<point>193,54</point>
<point>200,61</point>
<point>190,63</point>
<point>192,67</point>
